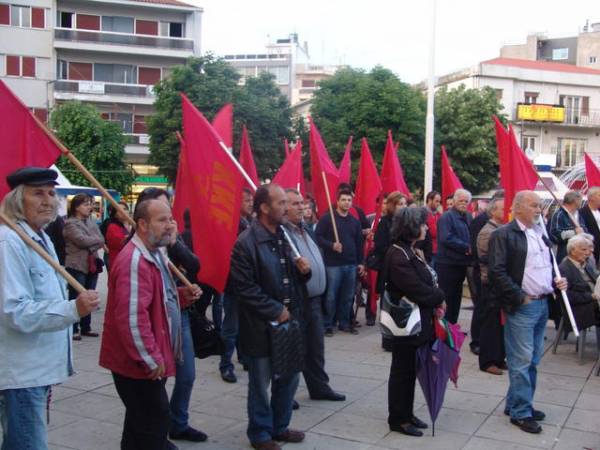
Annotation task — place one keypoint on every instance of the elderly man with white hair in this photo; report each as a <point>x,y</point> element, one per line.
<point>521,276</point>
<point>36,316</point>
<point>454,251</point>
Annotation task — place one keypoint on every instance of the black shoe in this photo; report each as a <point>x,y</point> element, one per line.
<point>370,322</point>
<point>331,396</point>
<point>189,434</point>
<point>418,423</point>
<point>527,424</point>
<point>171,446</point>
<point>349,330</point>
<point>329,332</point>
<point>475,349</point>
<point>228,376</point>
<point>409,430</point>
<point>295,405</point>
<point>536,414</point>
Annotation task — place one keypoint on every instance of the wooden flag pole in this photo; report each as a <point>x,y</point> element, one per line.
<point>43,253</point>
<point>335,231</point>
<point>88,175</point>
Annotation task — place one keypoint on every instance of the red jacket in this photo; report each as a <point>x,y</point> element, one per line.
<point>115,238</point>
<point>432,220</point>
<point>136,337</point>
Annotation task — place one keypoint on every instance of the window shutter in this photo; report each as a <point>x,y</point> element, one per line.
<point>88,22</point>
<point>28,66</point>
<point>585,106</point>
<point>146,27</point>
<point>38,17</point>
<point>13,65</point>
<point>4,15</point>
<point>80,71</point>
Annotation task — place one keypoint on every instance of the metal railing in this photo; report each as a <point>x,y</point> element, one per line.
<point>112,38</point>
<point>573,116</point>
<point>102,88</point>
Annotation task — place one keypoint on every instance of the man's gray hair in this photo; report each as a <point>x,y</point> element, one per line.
<point>12,205</point>
<point>579,239</point>
<point>520,198</point>
<point>462,193</point>
<point>593,191</point>
<point>493,204</point>
<point>572,197</point>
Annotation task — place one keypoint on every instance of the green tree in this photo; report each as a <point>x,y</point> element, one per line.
<point>209,83</point>
<point>368,104</point>
<point>98,144</point>
<point>463,123</point>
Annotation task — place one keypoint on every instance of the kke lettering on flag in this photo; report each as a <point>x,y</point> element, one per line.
<point>215,196</point>
<point>592,173</point>
<point>392,176</point>
<point>368,184</point>
<point>450,182</point>
<point>321,163</point>
<point>290,175</point>
<point>24,142</point>
<point>345,165</point>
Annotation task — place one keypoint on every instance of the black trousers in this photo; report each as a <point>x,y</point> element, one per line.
<point>451,278</point>
<point>491,338</point>
<point>317,380</point>
<point>146,413</point>
<point>474,278</point>
<point>401,384</point>
<point>89,282</point>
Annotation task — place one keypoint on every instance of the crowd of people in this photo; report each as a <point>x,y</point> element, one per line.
<point>287,267</point>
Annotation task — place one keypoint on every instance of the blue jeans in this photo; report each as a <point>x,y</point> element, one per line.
<point>89,282</point>
<point>268,418</point>
<point>341,284</point>
<point>184,379</point>
<point>229,332</point>
<point>23,418</point>
<point>524,344</point>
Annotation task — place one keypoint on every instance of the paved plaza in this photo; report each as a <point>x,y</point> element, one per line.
<point>86,413</point>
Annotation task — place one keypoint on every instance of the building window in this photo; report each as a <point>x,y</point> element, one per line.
<point>81,71</point>
<point>38,17</point>
<point>171,29</point>
<point>125,121</point>
<point>571,151</point>
<point>499,93</point>
<point>576,108</point>
<point>308,83</point>
<point>531,97</point>
<point>148,76</point>
<point>20,66</point>
<point>117,24</point>
<point>65,19</point>
<point>4,14</point>
<point>88,22</point>
<point>592,60</point>
<point>528,143</point>
<point>20,16</point>
<point>62,69</point>
<point>115,73</point>
<point>148,27</point>
<point>560,54</point>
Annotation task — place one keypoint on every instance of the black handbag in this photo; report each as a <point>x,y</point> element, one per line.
<point>287,349</point>
<point>207,340</point>
<point>374,260</point>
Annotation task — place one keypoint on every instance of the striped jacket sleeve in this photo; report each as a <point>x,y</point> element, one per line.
<point>135,294</point>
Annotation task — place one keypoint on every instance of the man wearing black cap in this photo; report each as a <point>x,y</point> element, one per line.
<point>36,317</point>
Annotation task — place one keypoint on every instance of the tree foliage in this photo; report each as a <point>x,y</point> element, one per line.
<point>98,144</point>
<point>463,123</point>
<point>368,104</point>
<point>210,83</point>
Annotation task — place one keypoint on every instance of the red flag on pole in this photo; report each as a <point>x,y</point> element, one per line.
<point>246,158</point>
<point>183,187</point>
<point>392,177</point>
<point>24,142</point>
<point>286,147</point>
<point>215,196</point>
<point>321,163</point>
<point>368,184</point>
<point>345,165</point>
<point>290,174</point>
<point>223,124</point>
<point>450,182</point>
<point>592,173</point>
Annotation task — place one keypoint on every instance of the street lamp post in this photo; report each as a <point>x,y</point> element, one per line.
<point>429,121</point>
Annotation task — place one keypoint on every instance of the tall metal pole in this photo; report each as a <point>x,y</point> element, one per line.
<point>430,122</point>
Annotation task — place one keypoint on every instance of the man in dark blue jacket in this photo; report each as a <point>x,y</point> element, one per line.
<point>454,251</point>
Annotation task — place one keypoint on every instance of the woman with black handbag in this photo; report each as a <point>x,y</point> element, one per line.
<point>411,294</point>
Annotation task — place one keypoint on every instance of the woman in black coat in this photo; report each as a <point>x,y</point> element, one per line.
<point>407,274</point>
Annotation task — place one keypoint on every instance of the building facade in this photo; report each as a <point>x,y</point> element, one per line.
<point>554,108</point>
<point>109,53</point>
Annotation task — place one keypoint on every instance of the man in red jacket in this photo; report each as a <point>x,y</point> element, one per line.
<point>142,327</point>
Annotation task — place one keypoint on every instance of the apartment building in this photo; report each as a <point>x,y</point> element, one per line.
<point>554,107</point>
<point>106,52</point>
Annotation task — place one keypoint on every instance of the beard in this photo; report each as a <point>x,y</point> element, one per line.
<point>159,241</point>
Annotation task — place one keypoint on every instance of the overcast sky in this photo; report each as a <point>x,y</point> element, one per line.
<point>395,34</point>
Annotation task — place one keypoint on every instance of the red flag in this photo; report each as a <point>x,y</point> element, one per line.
<point>24,142</point>
<point>223,124</point>
<point>321,163</point>
<point>215,197</point>
<point>392,177</point>
<point>502,144</point>
<point>246,159</point>
<point>345,165</point>
<point>450,182</point>
<point>183,187</point>
<point>592,173</point>
<point>368,184</point>
<point>286,148</point>
<point>290,174</point>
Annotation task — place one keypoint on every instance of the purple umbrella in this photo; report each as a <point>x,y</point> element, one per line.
<point>434,366</point>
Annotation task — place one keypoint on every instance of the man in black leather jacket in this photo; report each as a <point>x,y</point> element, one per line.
<point>266,282</point>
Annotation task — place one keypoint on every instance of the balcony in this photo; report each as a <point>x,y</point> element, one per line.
<point>572,118</point>
<point>122,42</point>
<point>103,92</point>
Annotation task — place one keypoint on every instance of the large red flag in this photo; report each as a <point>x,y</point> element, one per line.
<point>321,163</point>
<point>592,173</point>
<point>286,147</point>
<point>290,174</point>
<point>392,176</point>
<point>246,158</point>
<point>503,146</point>
<point>368,184</point>
<point>345,165</point>
<point>450,182</point>
<point>223,124</point>
<point>215,197</point>
<point>24,142</point>
<point>183,187</point>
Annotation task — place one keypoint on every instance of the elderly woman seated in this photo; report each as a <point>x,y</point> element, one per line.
<point>579,270</point>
